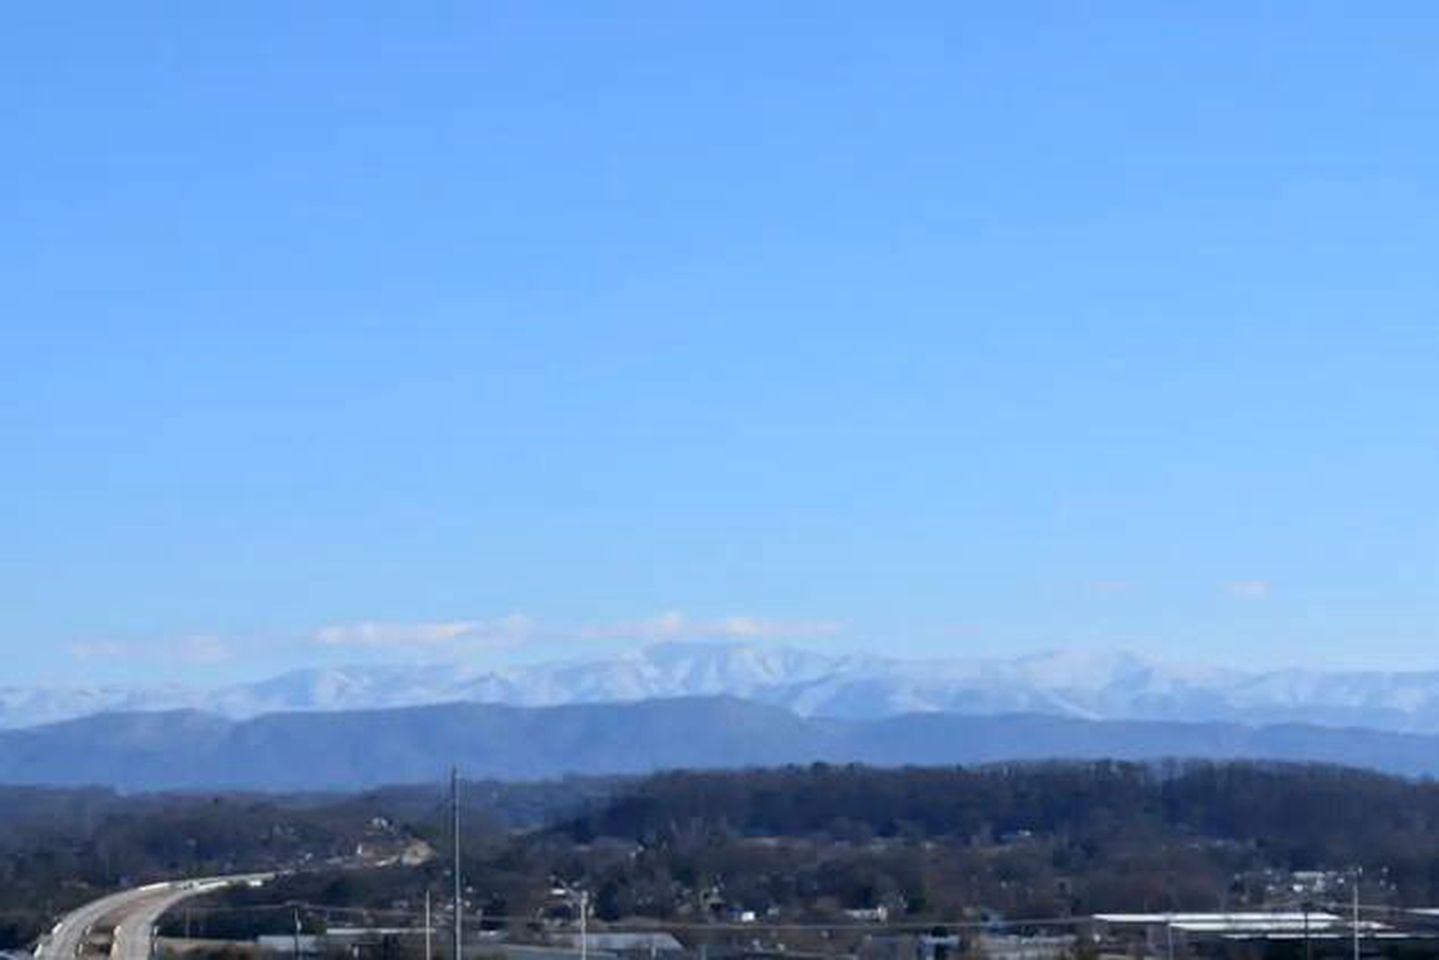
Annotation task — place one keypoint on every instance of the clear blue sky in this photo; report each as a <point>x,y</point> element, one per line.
<point>975,328</point>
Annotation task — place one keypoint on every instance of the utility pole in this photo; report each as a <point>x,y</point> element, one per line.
<point>584,925</point>
<point>429,929</point>
<point>579,897</point>
<point>297,932</point>
<point>1355,892</point>
<point>455,831</point>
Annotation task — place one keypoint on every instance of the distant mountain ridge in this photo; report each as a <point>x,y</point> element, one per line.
<point>188,750</point>
<point>1090,686</point>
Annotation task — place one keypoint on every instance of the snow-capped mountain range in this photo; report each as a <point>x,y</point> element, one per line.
<point>1089,686</point>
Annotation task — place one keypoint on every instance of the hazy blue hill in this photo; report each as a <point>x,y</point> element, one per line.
<point>303,751</point>
<point>951,738</point>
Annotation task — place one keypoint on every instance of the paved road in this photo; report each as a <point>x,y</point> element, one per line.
<point>130,914</point>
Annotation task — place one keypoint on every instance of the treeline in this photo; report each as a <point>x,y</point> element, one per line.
<point>1305,815</point>
<point>1048,839</point>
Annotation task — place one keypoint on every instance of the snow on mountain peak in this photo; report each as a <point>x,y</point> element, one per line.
<point>1095,685</point>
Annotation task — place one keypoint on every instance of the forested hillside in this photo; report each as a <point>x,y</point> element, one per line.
<point>60,847</point>
<point>934,845</point>
<point>806,844</point>
<point>1041,840</point>
<point>1309,814</point>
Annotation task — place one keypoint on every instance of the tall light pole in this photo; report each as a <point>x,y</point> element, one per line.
<point>580,898</point>
<point>455,832</point>
<point>1355,893</point>
<point>584,925</point>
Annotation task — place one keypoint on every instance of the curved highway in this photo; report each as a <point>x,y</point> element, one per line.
<point>121,925</point>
